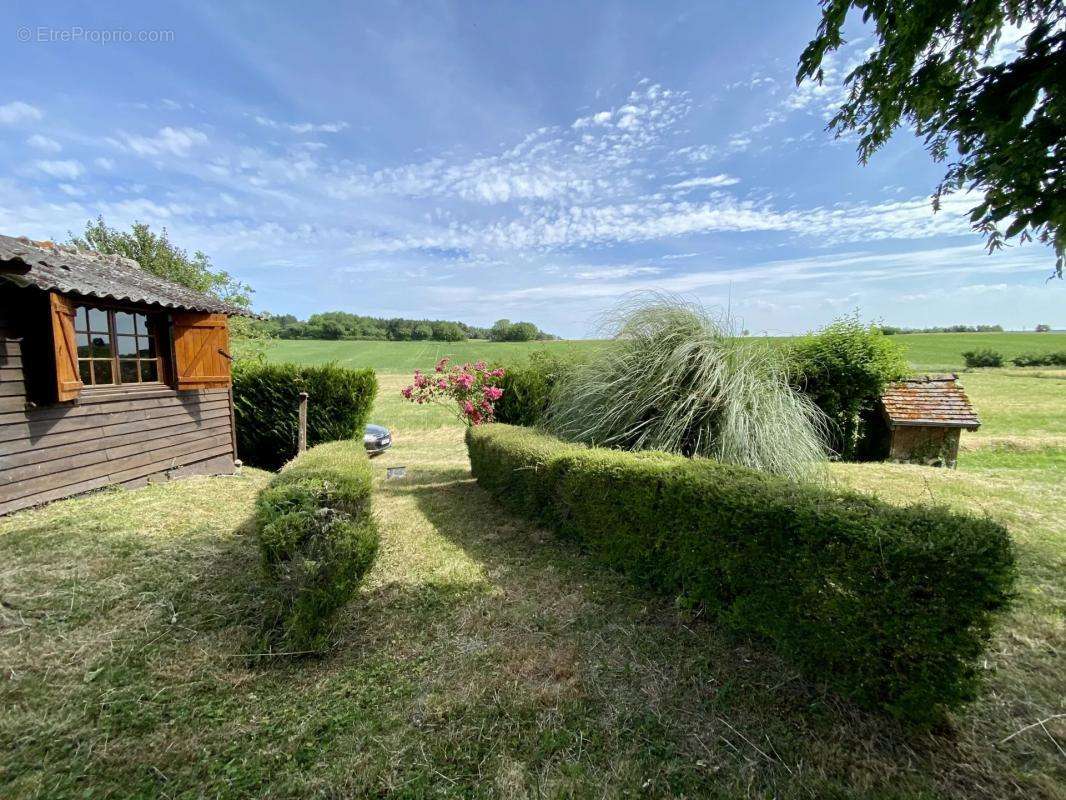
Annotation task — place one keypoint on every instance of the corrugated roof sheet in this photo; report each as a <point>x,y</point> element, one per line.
<point>65,269</point>
<point>929,401</point>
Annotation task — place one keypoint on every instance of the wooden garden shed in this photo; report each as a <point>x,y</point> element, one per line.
<point>108,375</point>
<point>922,419</point>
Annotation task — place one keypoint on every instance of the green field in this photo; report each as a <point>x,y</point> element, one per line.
<point>925,351</point>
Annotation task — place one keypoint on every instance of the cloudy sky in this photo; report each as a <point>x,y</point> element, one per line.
<point>477,161</point>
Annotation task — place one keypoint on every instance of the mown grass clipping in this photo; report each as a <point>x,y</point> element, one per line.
<point>890,606</point>
<point>317,538</point>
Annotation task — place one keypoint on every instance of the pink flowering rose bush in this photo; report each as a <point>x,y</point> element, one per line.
<point>470,389</point>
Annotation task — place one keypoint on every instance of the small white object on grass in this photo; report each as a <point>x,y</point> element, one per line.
<point>395,472</point>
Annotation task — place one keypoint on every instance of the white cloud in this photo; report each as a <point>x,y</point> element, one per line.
<point>44,143</point>
<point>713,180</point>
<point>105,163</point>
<point>68,169</point>
<point>302,127</point>
<point>17,111</point>
<point>168,141</point>
<point>613,273</point>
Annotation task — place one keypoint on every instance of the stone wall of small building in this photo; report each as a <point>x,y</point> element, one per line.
<point>922,445</point>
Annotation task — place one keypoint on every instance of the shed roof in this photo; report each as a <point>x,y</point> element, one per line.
<point>929,401</point>
<point>68,270</point>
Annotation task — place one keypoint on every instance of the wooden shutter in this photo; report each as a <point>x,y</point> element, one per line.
<point>201,350</point>
<point>68,379</point>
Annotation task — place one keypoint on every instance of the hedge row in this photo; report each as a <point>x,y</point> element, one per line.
<point>890,606</point>
<point>266,400</point>
<point>317,539</point>
<point>527,387</point>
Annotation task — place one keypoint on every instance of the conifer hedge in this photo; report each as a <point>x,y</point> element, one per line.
<point>891,606</point>
<point>266,399</point>
<point>317,539</point>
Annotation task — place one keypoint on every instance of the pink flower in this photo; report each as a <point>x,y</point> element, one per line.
<point>492,393</point>
<point>406,391</point>
<point>497,373</point>
<point>442,384</point>
<point>441,364</point>
<point>465,380</point>
<point>468,408</point>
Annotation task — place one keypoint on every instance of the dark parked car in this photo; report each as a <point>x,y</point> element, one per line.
<point>377,439</point>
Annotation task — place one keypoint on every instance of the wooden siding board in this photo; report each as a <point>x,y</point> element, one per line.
<point>213,461</point>
<point>59,445</point>
<point>108,437</point>
<point>30,465</point>
<point>163,458</point>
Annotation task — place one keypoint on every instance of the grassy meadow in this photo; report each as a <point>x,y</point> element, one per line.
<point>925,351</point>
<point>484,658</point>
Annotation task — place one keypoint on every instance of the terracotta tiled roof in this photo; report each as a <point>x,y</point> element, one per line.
<point>65,269</point>
<point>929,401</point>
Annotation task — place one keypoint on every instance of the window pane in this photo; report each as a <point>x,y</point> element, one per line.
<point>97,320</point>
<point>83,345</point>
<point>127,371</point>
<point>127,346</point>
<point>86,375</point>
<point>103,371</point>
<point>123,322</point>
<point>81,320</point>
<point>141,322</point>
<point>149,371</point>
<point>101,346</point>
<point>147,345</point>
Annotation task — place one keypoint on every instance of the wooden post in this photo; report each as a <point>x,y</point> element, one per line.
<point>301,441</point>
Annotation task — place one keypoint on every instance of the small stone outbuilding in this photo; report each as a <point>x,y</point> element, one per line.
<point>921,421</point>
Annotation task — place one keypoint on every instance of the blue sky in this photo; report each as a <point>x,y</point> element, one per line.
<point>478,161</point>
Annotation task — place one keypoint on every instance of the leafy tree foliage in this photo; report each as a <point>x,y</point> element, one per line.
<point>503,330</point>
<point>843,369</point>
<point>158,255</point>
<point>1003,124</point>
<point>342,325</point>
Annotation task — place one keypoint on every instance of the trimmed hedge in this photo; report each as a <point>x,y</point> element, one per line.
<point>317,539</point>
<point>266,400</point>
<point>527,387</point>
<point>889,606</point>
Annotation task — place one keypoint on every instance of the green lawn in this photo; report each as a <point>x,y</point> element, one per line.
<point>484,658</point>
<point>928,351</point>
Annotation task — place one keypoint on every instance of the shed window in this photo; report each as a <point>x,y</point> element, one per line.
<point>115,347</point>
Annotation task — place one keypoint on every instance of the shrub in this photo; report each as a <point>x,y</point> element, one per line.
<point>266,399</point>
<point>844,369</point>
<point>1042,360</point>
<point>674,379</point>
<point>528,386</point>
<point>317,539</point>
<point>890,606</point>
<point>983,358</point>
<point>470,391</point>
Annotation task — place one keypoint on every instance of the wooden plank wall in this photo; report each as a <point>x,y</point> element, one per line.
<point>126,436</point>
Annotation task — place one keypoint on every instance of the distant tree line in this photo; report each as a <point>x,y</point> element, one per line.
<point>895,330</point>
<point>342,325</point>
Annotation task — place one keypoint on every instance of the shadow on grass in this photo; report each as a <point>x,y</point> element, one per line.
<point>723,697</point>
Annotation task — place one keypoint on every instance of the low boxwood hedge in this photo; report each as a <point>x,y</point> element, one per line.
<point>888,605</point>
<point>266,399</point>
<point>317,539</point>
